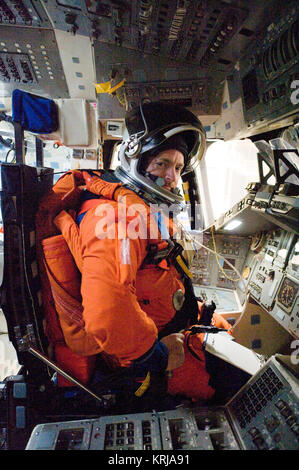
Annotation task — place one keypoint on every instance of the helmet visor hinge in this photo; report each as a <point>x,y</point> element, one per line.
<point>133,146</point>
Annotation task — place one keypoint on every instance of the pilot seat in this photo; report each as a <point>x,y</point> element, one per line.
<point>48,387</point>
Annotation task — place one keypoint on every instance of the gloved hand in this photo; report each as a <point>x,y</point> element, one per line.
<point>96,185</point>
<point>88,180</point>
<point>175,346</point>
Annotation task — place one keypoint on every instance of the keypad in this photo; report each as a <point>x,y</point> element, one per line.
<point>124,435</point>
<point>119,435</point>
<point>253,400</point>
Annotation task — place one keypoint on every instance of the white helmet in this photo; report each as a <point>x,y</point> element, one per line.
<point>151,128</point>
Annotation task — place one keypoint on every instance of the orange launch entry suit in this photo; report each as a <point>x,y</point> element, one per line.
<point>100,296</point>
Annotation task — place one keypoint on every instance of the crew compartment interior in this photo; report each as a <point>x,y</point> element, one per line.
<point>236,67</point>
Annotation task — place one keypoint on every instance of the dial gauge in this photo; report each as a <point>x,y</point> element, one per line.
<point>287,293</point>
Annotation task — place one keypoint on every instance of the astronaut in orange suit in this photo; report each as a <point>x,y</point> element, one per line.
<point>125,243</point>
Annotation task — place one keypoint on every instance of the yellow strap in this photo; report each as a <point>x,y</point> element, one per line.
<point>106,87</point>
<point>117,86</point>
<point>144,386</point>
<point>184,267</point>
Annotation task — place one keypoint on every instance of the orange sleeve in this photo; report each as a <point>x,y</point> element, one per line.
<point>70,231</point>
<point>111,312</point>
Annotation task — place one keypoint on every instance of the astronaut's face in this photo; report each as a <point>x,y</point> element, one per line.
<point>168,165</point>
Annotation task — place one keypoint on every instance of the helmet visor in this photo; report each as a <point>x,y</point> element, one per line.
<point>156,122</point>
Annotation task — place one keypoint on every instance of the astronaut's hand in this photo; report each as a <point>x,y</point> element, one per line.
<point>175,346</point>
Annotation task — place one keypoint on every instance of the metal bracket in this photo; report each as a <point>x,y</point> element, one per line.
<point>24,342</point>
